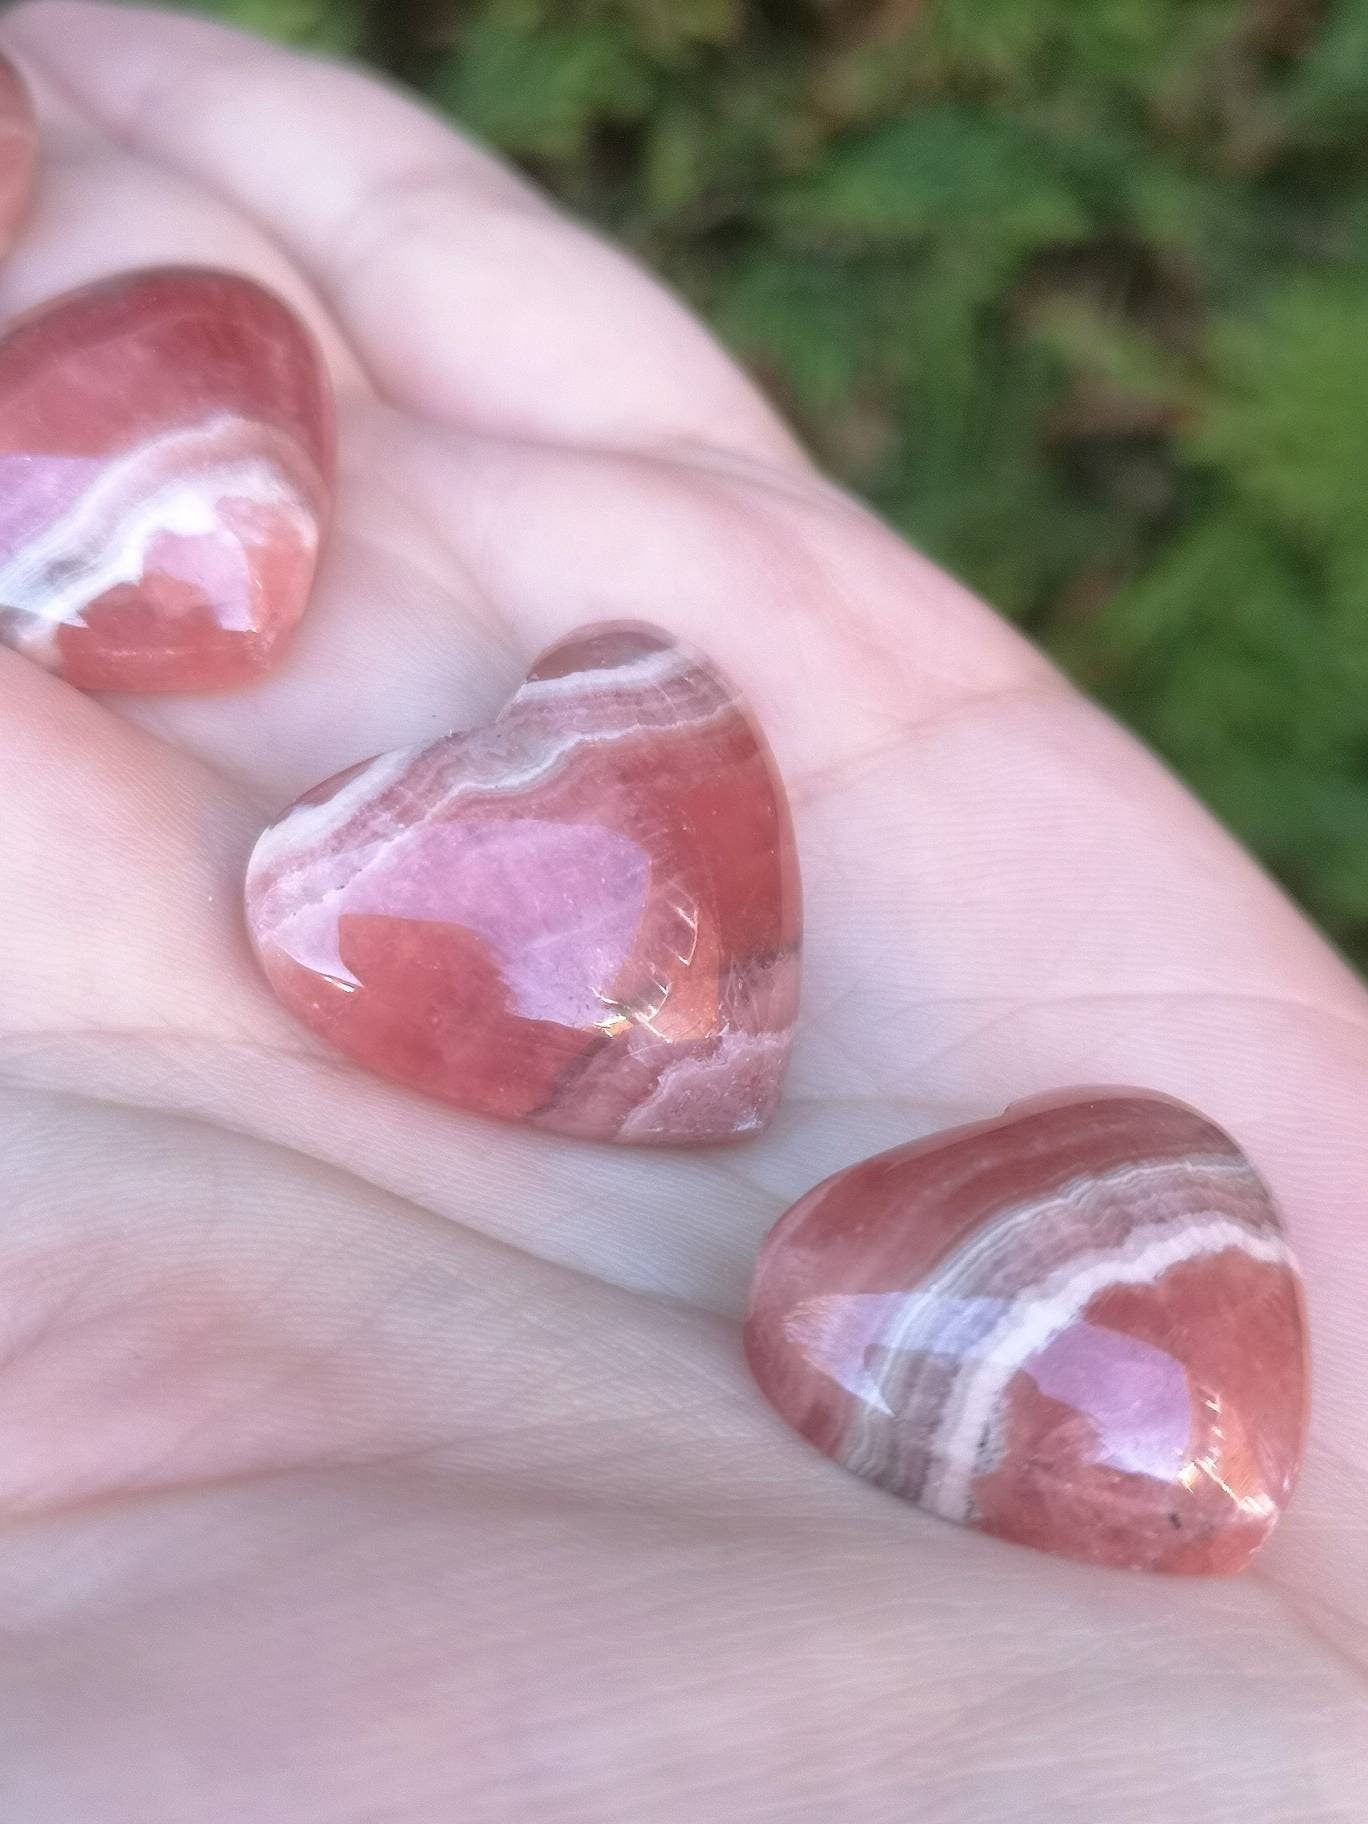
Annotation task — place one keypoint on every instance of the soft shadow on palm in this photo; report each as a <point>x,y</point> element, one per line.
<point>363,1461</point>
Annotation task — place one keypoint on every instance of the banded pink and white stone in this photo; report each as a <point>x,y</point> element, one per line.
<point>1078,1327</point>
<point>584,916</point>
<point>166,457</point>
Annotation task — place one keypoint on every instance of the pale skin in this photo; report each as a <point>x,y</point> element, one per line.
<point>363,1461</point>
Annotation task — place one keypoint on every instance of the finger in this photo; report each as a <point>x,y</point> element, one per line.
<point>183,1304</point>
<point>513,319</point>
<point>86,183</point>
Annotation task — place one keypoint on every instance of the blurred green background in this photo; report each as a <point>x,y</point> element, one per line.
<point>1074,291</point>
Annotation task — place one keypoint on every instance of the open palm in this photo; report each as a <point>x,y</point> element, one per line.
<point>360,1460</point>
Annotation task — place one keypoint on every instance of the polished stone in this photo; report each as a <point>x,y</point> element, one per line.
<point>165,477</point>
<point>584,916</point>
<point>1078,1327</point>
<point>18,151</point>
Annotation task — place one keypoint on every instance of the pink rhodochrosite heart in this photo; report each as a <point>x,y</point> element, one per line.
<point>1078,1327</point>
<point>18,150</point>
<point>166,453</point>
<point>585,916</point>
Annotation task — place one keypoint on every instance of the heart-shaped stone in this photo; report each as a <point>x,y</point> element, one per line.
<point>584,916</point>
<point>166,454</point>
<point>1078,1327</point>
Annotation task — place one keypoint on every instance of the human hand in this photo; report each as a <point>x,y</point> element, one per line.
<point>361,1460</point>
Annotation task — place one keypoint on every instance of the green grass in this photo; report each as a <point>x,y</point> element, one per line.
<point>1074,291</point>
